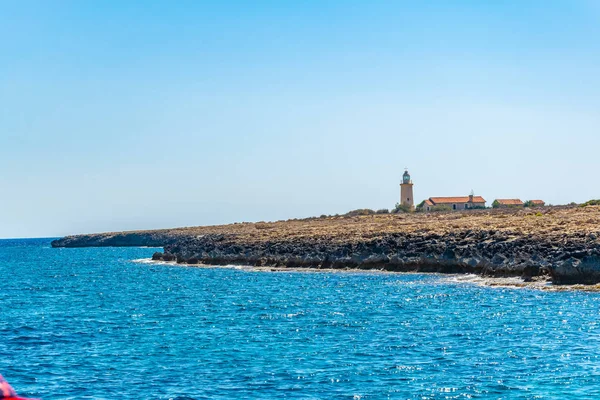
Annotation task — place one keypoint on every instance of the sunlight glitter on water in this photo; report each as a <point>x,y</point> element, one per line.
<point>92,323</point>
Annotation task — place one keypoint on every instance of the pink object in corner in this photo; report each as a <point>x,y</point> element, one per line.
<point>8,393</point>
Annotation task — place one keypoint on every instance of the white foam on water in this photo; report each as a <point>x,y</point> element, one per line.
<point>496,282</point>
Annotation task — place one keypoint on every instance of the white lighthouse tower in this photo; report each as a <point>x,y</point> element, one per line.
<point>406,191</point>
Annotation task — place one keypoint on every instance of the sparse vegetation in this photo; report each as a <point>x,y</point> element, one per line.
<point>441,208</point>
<point>510,231</point>
<point>360,211</point>
<point>383,211</point>
<point>555,223</point>
<point>401,208</point>
<point>590,203</point>
<point>495,204</point>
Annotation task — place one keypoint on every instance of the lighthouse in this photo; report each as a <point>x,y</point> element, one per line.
<point>406,191</point>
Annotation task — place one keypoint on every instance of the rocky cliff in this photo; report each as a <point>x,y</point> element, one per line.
<point>561,243</point>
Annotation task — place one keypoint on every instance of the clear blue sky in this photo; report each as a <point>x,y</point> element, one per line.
<point>120,115</point>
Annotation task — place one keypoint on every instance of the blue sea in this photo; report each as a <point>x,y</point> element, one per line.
<point>96,324</point>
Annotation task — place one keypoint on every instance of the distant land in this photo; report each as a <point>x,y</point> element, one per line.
<point>558,244</point>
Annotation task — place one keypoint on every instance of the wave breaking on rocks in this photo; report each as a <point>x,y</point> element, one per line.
<point>560,243</point>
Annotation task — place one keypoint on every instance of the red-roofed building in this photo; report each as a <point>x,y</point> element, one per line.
<point>538,203</point>
<point>455,203</point>
<point>500,203</point>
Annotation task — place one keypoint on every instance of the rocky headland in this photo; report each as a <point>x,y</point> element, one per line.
<point>561,244</point>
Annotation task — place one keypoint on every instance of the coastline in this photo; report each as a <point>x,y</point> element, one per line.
<point>539,283</point>
<point>560,243</point>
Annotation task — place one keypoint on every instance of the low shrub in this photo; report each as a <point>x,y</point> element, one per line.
<point>440,208</point>
<point>590,203</point>
<point>360,211</point>
<point>401,208</point>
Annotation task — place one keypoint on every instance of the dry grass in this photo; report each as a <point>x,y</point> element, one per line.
<point>554,222</point>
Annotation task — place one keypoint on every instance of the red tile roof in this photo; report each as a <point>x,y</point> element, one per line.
<point>538,202</point>
<point>510,202</point>
<point>453,200</point>
<point>428,202</point>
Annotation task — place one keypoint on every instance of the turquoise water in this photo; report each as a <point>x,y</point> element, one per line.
<point>92,324</point>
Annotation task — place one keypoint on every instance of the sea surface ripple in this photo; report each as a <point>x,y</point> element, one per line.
<point>93,324</point>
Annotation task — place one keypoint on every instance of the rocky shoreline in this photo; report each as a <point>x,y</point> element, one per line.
<point>562,244</point>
